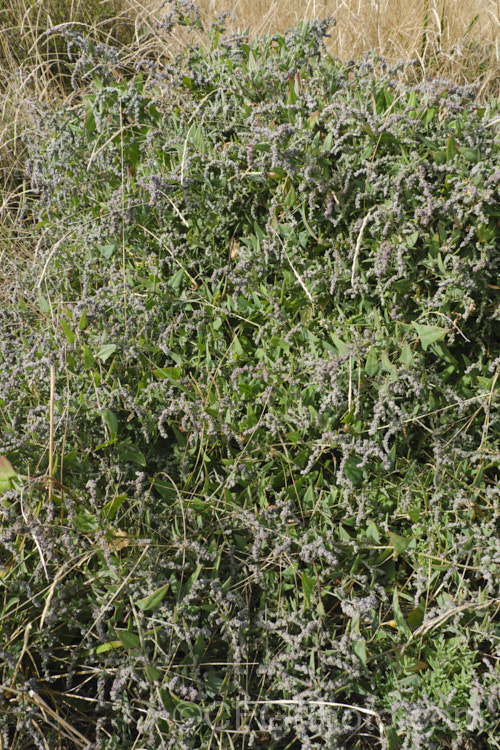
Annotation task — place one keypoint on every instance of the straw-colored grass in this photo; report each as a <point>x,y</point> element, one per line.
<point>456,39</point>
<point>459,39</point>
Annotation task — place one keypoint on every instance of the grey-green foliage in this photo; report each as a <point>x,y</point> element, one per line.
<point>269,285</point>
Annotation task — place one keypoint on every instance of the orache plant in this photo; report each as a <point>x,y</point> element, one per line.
<point>267,283</point>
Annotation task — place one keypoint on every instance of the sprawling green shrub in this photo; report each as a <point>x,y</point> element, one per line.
<point>267,285</point>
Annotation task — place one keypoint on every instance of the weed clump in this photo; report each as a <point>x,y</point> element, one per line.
<point>267,282</point>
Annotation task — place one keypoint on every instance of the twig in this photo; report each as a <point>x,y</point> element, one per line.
<point>66,729</point>
<point>37,543</point>
<point>444,616</point>
<point>436,411</point>
<point>116,593</point>
<point>49,258</point>
<point>51,429</point>
<point>488,409</point>
<point>69,731</point>
<point>358,245</point>
<point>21,655</point>
<point>73,563</point>
<point>297,275</point>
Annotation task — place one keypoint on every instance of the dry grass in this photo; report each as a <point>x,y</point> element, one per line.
<point>460,38</point>
<point>457,39</point>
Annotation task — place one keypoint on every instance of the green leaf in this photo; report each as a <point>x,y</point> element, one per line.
<point>406,355</point>
<point>106,351</point>
<point>441,350</point>
<point>486,383</point>
<point>153,674</point>
<point>111,421</point>
<point>359,648</point>
<point>386,364</point>
<point>191,580</point>
<point>83,321</point>
<point>312,120</point>
<point>43,303</point>
<point>293,90</point>
<point>154,599</point>
<point>372,532</point>
<point>372,362</point>
<point>398,616</point>
<point>416,617</point>
<point>400,543</point>
<point>113,506</point>
<point>341,347</point>
<point>412,239</point>
<point>252,64</point>
<point>108,646</point>
<point>7,474</point>
<point>291,197</point>
<point>429,334</point>
<point>414,512</point>
<point>67,330</point>
<point>128,639</point>
<point>236,347</point>
<point>215,682</point>
<point>169,701</point>
<point>107,250</point>
<point>85,522</point>
<point>353,472</point>
<point>176,280</point>
<point>170,373</point>
<point>344,535</point>
<point>131,454</point>
<point>471,154</point>
<point>307,587</point>
<point>198,139</point>
<point>412,102</point>
<point>309,499</point>
<point>428,115</point>
<point>88,359</point>
<point>451,148</point>
<point>188,710</point>
<point>89,120</point>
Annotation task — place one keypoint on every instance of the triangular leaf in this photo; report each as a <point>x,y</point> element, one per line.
<point>129,639</point>
<point>154,599</point>
<point>111,421</point>
<point>106,351</point>
<point>307,586</point>
<point>429,334</point>
<point>108,646</point>
<point>131,454</point>
<point>152,673</point>
<point>7,474</point>
<point>359,648</point>
<point>372,363</point>
<point>400,543</point>
<point>398,616</point>
<point>171,373</point>
<point>341,346</point>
